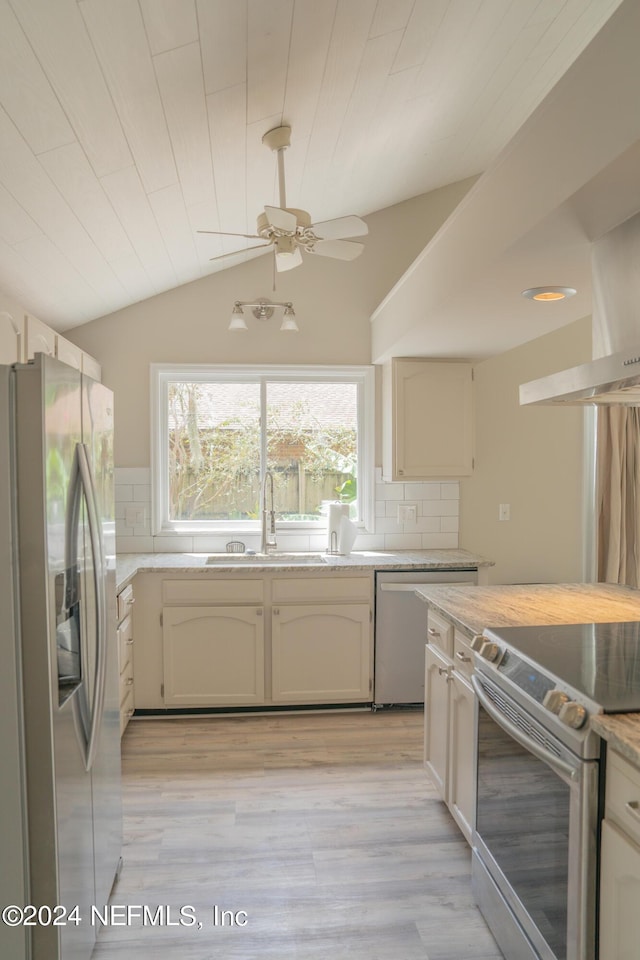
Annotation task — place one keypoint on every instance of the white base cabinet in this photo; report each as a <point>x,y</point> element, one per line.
<point>125,603</point>
<point>449,718</point>
<point>321,653</point>
<point>213,656</point>
<point>620,863</point>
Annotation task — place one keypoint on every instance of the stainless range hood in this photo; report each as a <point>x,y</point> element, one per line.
<point>611,377</point>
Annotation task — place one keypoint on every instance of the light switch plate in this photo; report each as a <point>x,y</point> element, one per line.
<point>407,513</point>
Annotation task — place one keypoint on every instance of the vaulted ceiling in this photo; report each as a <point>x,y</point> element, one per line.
<point>128,125</point>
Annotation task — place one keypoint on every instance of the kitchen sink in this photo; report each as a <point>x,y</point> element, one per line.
<point>282,559</point>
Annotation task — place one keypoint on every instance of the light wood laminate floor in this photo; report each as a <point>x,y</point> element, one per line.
<point>323,829</point>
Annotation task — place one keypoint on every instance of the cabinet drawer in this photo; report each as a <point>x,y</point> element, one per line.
<point>125,642</point>
<point>126,710</point>
<point>125,602</point>
<point>623,795</point>
<point>440,632</point>
<point>462,654</point>
<point>126,684</point>
<point>311,589</point>
<point>212,591</point>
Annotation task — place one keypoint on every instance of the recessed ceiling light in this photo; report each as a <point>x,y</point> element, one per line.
<point>548,293</point>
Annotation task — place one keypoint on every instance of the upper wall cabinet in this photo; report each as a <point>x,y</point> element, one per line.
<point>37,337</point>
<point>427,419</point>
<point>9,338</point>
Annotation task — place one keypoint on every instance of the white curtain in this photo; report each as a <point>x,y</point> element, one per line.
<point>618,496</point>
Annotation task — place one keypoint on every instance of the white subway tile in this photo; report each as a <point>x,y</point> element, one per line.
<point>369,541</point>
<point>381,508</point>
<point>123,491</point>
<point>389,491</point>
<point>173,544</point>
<point>450,491</point>
<point>440,508</point>
<point>122,530</point>
<point>392,509</point>
<point>214,544</point>
<point>142,492</point>
<point>426,525</point>
<point>403,541</point>
<point>387,525</point>
<point>439,541</point>
<point>121,506</point>
<point>135,545</point>
<point>422,491</point>
<point>132,475</point>
<point>449,524</point>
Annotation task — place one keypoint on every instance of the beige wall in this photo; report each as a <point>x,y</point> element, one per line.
<point>333,301</point>
<point>532,459</point>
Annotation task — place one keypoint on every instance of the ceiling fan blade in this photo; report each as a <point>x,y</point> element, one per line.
<point>281,219</point>
<point>341,227</point>
<point>236,253</point>
<point>340,249</point>
<point>224,233</point>
<point>287,261</point>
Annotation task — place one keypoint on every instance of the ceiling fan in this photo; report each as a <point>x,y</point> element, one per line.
<point>290,231</point>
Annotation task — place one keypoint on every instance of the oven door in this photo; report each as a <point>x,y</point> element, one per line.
<point>535,845</point>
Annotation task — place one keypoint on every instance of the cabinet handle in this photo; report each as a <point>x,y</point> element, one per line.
<point>130,600</point>
<point>129,641</point>
<point>129,681</point>
<point>632,808</point>
<point>401,473</point>
<point>259,612</point>
<point>276,611</point>
<point>130,712</point>
<point>444,670</point>
<point>463,657</point>
<point>433,632</point>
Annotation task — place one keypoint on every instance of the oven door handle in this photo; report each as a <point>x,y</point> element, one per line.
<point>560,766</point>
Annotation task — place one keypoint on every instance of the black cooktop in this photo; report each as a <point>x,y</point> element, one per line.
<point>599,660</point>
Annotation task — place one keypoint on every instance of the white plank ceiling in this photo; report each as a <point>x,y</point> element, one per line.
<point>128,125</point>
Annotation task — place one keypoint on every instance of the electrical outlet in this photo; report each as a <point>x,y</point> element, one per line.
<point>134,516</point>
<point>407,513</point>
<point>504,511</point>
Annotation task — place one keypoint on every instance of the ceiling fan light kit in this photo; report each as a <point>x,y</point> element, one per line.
<point>290,231</point>
<point>263,310</point>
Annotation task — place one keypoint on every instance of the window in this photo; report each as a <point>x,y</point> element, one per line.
<point>218,429</point>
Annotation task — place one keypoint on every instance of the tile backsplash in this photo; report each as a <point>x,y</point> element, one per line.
<point>408,516</point>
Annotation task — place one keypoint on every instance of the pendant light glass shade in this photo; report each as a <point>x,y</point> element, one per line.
<point>237,319</point>
<point>289,324</point>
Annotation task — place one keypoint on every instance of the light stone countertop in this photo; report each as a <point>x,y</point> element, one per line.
<point>128,564</point>
<point>472,609</point>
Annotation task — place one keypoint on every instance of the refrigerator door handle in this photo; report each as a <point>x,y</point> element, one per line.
<point>97,552</point>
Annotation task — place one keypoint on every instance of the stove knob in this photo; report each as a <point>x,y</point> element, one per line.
<point>490,651</point>
<point>476,643</point>
<point>573,714</point>
<point>554,700</point>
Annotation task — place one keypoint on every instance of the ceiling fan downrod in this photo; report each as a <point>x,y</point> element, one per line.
<point>278,140</point>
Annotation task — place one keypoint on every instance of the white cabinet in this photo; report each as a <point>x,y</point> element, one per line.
<point>213,656</point>
<point>38,338</point>
<point>68,352</point>
<point>321,640</point>
<point>620,862</point>
<point>321,653</point>
<point>427,419</point>
<point>449,717</point>
<point>125,655</point>
<point>9,338</point>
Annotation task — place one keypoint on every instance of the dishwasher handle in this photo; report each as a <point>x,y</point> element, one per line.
<point>391,587</point>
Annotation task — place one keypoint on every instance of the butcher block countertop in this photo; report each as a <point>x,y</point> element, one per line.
<point>472,609</point>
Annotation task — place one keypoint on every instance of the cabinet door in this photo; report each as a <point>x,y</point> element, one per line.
<point>68,352</point>
<point>39,338</point>
<point>432,419</point>
<point>462,789</point>
<point>438,670</point>
<point>619,895</point>
<point>9,339</point>
<point>321,653</point>
<point>213,656</point>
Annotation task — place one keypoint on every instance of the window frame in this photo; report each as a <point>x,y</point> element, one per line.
<point>162,374</point>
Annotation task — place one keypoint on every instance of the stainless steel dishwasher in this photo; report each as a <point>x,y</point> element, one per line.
<point>401,633</point>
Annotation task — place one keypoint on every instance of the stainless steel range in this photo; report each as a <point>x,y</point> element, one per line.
<point>538,769</point>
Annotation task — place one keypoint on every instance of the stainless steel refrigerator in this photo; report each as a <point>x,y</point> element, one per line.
<point>60,801</point>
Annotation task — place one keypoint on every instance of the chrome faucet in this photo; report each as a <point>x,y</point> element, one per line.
<point>268,541</point>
